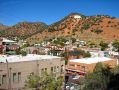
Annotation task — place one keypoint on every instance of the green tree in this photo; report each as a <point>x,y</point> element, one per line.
<point>114,80</point>
<point>85,26</point>
<point>48,82</point>
<point>44,82</point>
<point>18,51</point>
<point>87,54</point>
<point>115,44</point>
<point>23,53</point>
<point>115,70</point>
<point>59,82</point>
<point>32,81</point>
<point>99,79</point>
<point>25,45</point>
<point>92,45</point>
<point>59,41</point>
<point>98,31</point>
<point>103,45</point>
<point>73,40</point>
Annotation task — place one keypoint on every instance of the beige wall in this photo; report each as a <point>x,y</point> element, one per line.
<point>26,68</point>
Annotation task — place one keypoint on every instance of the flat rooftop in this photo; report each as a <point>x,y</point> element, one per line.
<point>29,57</point>
<point>8,41</point>
<point>91,60</point>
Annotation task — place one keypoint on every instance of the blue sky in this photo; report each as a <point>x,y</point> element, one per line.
<point>50,11</point>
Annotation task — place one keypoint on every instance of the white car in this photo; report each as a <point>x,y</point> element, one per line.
<point>72,88</point>
<point>67,88</point>
<point>76,77</point>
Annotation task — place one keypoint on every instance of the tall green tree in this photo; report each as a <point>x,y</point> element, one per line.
<point>114,80</point>
<point>99,79</point>
<point>115,44</point>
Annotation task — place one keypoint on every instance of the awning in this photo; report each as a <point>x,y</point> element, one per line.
<point>76,71</point>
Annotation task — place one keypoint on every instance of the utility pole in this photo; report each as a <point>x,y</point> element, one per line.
<point>37,67</point>
<point>8,75</point>
<point>10,88</point>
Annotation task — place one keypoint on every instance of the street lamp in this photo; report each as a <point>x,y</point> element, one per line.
<point>10,88</point>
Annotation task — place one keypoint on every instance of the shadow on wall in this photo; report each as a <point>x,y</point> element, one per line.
<point>114,83</point>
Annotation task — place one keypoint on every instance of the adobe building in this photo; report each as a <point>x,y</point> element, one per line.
<point>86,65</point>
<point>15,69</point>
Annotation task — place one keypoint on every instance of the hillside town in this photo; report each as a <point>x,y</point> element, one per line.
<point>59,45</point>
<point>72,59</point>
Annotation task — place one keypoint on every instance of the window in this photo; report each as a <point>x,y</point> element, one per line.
<point>62,68</point>
<point>57,68</point>
<point>46,70</point>
<point>83,68</point>
<point>19,76</point>
<point>42,70</point>
<point>32,73</point>
<point>51,69</point>
<point>4,79</point>
<point>14,77</point>
<point>54,68</point>
<point>71,65</point>
<point>78,66</point>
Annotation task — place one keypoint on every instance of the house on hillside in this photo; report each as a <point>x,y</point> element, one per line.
<point>7,45</point>
<point>10,46</point>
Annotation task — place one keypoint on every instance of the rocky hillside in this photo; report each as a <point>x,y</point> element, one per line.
<point>23,29</point>
<point>3,27</point>
<point>89,28</point>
